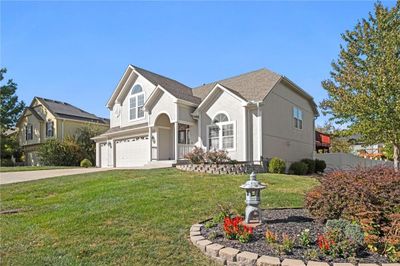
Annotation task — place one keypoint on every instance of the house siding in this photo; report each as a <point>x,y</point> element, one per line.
<point>123,119</point>
<point>280,137</point>
<point>225,103</point>
<point>164,105</point>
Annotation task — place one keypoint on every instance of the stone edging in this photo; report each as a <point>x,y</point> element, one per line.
<point>235,169</point>
<point>231,256</point>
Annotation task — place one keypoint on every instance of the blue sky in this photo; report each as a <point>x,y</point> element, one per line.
<point>77,51</point>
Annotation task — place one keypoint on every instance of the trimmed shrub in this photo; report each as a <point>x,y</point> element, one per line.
<point>277,166</point>
<point>368,196</point>
<point>196,156</point>
<point>86,163</point>
<point>298,168</point>
<point>320,166</point>
<point>310,165</point>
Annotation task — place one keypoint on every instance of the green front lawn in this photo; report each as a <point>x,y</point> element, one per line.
<point>131,217</point>
<point>28,168</point>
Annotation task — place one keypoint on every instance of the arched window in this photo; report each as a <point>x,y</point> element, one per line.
<point>220,118</point>
<point>221,133</point>
<point>136,102</point>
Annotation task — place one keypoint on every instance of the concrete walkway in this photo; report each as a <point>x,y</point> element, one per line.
<point>23,176</point>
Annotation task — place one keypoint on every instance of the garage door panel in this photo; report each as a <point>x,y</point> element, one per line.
<point>132,152</point>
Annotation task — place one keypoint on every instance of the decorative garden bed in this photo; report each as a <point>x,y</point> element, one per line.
<point>223,168</point>
<point>290,222</point>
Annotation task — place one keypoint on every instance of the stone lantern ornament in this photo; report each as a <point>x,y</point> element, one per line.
<point>253,200</point>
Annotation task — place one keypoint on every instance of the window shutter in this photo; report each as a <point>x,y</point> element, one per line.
<point>47,129</point>
<point>26,132</point>
<point>52,128</point>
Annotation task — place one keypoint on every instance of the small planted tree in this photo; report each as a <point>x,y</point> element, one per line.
<point>364,88</point>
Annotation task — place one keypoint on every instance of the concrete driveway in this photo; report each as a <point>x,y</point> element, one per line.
<point>23,176</point>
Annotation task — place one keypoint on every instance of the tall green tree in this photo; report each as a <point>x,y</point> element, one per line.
<point>84,140</point>
<point>364,88</point>
<point>11,107</point>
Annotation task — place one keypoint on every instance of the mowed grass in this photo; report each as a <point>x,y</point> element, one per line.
<point>28,168</point>
<point>127,217</point>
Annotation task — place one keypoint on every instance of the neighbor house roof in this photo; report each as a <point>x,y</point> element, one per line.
<point>251,86</point>
<point>65,110</point>
<point>177,89</point>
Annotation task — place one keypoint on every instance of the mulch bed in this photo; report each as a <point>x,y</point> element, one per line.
<point>292,222</point>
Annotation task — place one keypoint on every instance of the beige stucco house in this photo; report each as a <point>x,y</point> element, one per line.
<point>255,115</point>
<point>48,119</point>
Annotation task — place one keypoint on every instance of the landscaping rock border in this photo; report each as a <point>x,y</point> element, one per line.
<point>231,256</point>
<point>232,169</point>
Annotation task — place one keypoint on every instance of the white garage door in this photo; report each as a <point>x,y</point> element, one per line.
<point>103,155</point>
<point>132,152</point>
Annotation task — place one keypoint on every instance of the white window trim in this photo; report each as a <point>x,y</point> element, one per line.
<point>220,135</point>
<point>136,95</point>
<point>293,116</point>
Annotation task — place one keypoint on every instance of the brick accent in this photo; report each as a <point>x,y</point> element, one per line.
<point>390,264</point>
<point>249,258</point>
<point>368,264</point>
<point>195,233</point>
<point>343,264</point>
<point>268,261</point>
<point>229,253</point>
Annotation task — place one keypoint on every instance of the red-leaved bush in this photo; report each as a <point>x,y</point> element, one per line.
<point>369,196</point>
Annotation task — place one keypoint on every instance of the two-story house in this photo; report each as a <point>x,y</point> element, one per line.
<point>253,115</point>
<point>47,119</point>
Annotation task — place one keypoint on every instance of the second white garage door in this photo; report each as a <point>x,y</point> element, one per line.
<point>132,152</point>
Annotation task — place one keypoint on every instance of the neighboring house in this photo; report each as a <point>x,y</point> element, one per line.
<point>322,142</point>
<point>255,115</point>
<point>367,151</point>
<point>48,119</point>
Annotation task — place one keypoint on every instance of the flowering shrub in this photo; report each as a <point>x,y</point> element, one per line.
<point>324,243</point>
<point>196,156</point>
<point>234,229</point>
<point>304,238</point>
<point>219,156</point>
<point>270,237</point>
<point>369,196</point>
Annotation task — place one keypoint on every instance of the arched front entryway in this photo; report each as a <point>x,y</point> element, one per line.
<point>165,137</point>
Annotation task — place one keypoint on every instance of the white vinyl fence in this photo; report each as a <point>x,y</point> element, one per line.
<point>345,161</point>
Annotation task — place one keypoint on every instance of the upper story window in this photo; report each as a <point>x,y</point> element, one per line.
<point>136,102</point>
<point>49,129</point>
<point>29,132</point>
<point>297,118</point>
<point>222,133</point>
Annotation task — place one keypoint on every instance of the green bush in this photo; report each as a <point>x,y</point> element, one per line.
<point>276,165</point>
<point>310,165</point>
<point>57,153</point>
<point>298,168</point>
<point>320,166</point>
<point>6,162</point>
<point>86,163</point>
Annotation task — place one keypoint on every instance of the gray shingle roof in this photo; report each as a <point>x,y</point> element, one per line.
<point>66,110</point>
<point>174,87</point>
<point>252,86</point>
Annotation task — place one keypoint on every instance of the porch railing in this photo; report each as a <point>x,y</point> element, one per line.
<point>183,149</point>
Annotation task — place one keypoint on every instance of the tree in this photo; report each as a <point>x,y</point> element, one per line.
<point>364,88</point>
<point>10,108</point>
<point>84,140</point>
<point>339,142</point>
